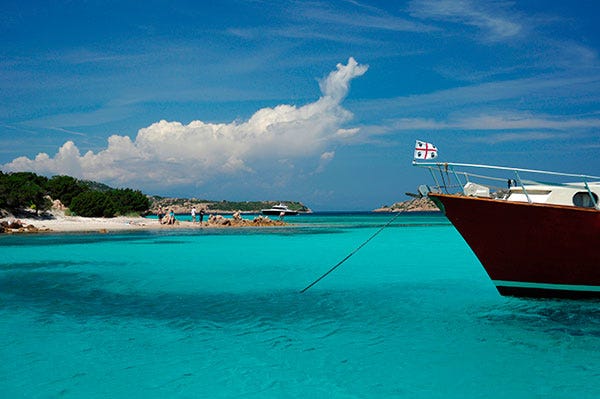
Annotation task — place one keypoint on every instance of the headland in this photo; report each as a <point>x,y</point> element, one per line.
<point>413,205</point>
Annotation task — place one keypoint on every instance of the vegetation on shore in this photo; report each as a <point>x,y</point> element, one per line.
<point>184,205</point>
<point>27,190</point>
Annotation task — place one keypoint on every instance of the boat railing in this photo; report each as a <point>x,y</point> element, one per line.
<point>450,177</point>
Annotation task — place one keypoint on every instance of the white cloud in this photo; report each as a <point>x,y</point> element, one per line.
<point>348,132</point>
<point>491,18</point>
<point>499,121</point>
<point>519,121</point>
<point>498,127</point>
<point>518,137</point>
<point>324,160</point>
<point>170,153</point>
<point>335,86</point>
<point>536,91</point>
<point>326,156</point>
<point>367,17</point>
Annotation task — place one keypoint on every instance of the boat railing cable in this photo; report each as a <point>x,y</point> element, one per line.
<point>444,167</point>
<point>447,185</point>
<point>350,254</point>
<point>467,165</point>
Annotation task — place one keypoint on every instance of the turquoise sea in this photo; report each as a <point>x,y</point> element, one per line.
<point>217,313</point>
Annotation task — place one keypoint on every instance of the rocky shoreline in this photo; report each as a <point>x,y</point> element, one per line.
<point>17,226</point>
<point>413,205</point>
<point>57,222</point>
<point>184,206</point>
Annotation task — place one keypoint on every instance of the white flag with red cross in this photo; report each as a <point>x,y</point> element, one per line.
<point>425,150</point>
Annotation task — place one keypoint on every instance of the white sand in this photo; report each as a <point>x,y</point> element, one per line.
<point>64,224</point>
<point>59,223</point>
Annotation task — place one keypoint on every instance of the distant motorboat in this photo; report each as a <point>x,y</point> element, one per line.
<point>279,210</point>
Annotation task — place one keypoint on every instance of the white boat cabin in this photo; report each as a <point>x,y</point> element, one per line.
<point>585,194</point>
<point>572,194</point>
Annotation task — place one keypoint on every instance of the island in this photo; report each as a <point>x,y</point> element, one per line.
<point>414,205</point>
<point>30,203</point>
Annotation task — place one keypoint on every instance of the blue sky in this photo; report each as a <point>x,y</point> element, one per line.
<point>315,101</point>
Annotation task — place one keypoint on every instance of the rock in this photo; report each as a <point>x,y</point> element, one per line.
<point>414,205</point>
<point>16,226</point>
<point>220,221</point>
<point>58,206</point>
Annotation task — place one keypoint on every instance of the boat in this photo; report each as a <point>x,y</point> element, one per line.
<point>534,239</point>
<point>279,210</point>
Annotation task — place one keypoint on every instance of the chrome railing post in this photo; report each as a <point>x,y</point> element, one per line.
<point>523,187</point>
<point>456,176</point>
<point>435,179</point>
<point>590,194</point>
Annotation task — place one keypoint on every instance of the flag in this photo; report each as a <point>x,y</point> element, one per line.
<point>425,150</point>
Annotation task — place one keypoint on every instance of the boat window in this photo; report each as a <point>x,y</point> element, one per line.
<point>584,200</point>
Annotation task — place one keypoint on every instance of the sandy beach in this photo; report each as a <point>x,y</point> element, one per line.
<point>58,223</point>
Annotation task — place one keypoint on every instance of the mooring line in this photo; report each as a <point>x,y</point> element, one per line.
<point>351,253</point>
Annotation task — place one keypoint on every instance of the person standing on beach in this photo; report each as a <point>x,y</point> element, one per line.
<point>193,214</point>
<point>160,213</point>
<point>201,215</point>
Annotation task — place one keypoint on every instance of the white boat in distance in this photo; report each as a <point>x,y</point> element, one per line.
<point>279,210</point>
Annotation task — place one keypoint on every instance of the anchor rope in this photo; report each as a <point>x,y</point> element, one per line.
<point>350,254</point>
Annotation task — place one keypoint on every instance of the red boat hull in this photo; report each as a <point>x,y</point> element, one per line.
<point>535,250</point>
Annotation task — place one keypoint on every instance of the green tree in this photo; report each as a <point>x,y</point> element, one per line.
<point>65,188</point>
<point>28,190</point>
<point>23,190</point>
<point>3,190</point>
<point>93,204</point>
<point>128,201</point>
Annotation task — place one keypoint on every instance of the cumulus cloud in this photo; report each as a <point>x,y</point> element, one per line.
<point>180,154</point>
<point>336,85</point>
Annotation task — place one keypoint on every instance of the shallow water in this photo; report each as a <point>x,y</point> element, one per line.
<point>218,313</point>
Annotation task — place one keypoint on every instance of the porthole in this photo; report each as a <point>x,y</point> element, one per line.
<point>584,200</point>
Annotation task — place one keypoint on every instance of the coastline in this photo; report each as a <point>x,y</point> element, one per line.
<point>57,223</point>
